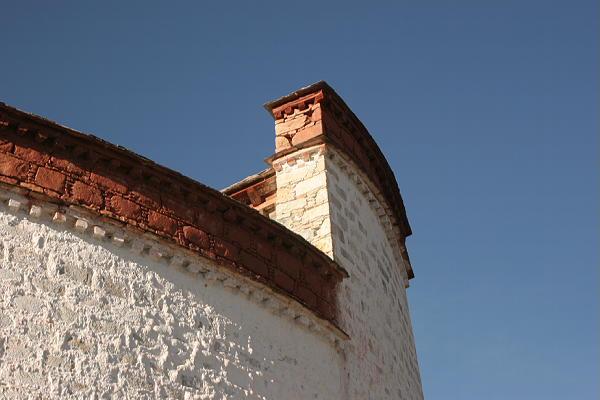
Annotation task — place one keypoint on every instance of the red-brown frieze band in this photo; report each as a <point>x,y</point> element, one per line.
<point>72,168</point>
<point>317,114</point>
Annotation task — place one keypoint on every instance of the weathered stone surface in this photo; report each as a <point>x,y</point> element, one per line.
<point>12,166</point>
<point>196,236</point>
<point>282,143</point>
<point>284,281</point>
<point>162,223</point>
<point>291,124</point>
<point>50,179</point>
<point>108,183</point>
<point>322,202</point>
<point>96,322</point>
<point>67,166</point>
<point>32,155</point>
<point>125,207</point>
<point>87,194</point>
<point>307,133</point>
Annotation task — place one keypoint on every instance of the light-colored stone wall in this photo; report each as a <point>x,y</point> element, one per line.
<point>82,317</point>
<point>381,359</point>
<point>324,198</point>
<point>302,204</point>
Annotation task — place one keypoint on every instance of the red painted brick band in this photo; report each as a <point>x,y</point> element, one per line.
<point>73,168</point>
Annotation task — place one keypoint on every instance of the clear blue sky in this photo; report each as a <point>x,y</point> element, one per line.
<point>488,114</point>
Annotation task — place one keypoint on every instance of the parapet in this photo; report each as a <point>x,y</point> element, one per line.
<point>58,164</point>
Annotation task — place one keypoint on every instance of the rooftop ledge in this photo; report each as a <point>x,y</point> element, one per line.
<point>69,167</point>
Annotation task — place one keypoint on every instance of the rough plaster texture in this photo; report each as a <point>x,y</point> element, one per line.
<point>83,318</point>
<point>325,201</point>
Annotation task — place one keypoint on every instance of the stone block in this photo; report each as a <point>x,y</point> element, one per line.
<point>35,211</point>
<point>59,217</point>
<point>125,208</point>
<point>66,165</point>
<point>12,166</point>
<point>32,155</point>
<point>108,183</point>
<point>282,143</point>
<point>14,205</point>
<point>226,249</point>
<point>291,124</point>
<point>254,264</point>
<point>86,194</point>
<point>162,223</point>
<point>81,225</point>
<point>307,133</point>
<point>196,236</point>
<point>310,184</point>
<point>284,281</point>
<point>50,179</point>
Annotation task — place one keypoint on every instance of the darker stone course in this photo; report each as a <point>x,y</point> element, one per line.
<point>108,183</point>
<point>307,296</point>
<point>288,263</point>
<point>326,308</point>
<point>68,167</point>
<point>125,208</point>
<point>237,234</point>
<point>6,147</point>
<point>196,236</point>
<point>210,222</point>
<point>254,264</point>
<point>264,249</point>
<point>226,249</point>
<point>11,166</point>
<point>162,222</point>
<point>50,179</point>
<point>32,155</point>
<point>284,281</point>
<point>150,198</point>
<point>86,194</point>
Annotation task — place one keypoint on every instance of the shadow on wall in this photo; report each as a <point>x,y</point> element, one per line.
<point>83,317</point>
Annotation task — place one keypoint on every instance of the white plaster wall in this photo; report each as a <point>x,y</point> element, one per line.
<point>319,197</point>
<point>381,359</point>
<point>82,318</point>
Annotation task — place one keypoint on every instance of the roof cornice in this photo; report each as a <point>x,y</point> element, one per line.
<point>74,168</point>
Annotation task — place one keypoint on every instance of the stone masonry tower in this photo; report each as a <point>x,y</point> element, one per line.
<point>335,188</point>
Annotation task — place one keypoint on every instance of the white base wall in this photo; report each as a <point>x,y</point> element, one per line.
<point>81,318</point>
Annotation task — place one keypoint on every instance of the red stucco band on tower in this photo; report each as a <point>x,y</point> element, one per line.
<point>317,114</point>
<point>72,168</point>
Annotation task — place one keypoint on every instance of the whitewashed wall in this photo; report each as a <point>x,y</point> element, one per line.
<point>82,318</point>
<point>381,360</point>
<point>323,198</point>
